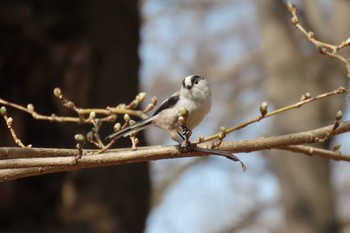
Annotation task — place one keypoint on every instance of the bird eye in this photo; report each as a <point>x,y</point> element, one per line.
<point>196,82</point>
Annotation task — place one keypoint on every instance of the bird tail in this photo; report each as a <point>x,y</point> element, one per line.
<point>131,129</point>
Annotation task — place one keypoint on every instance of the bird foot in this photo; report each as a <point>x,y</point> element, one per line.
<point>186,146</point>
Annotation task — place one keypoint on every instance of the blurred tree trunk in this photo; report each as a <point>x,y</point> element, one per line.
<point>90,49</point>
<point>306,191</point>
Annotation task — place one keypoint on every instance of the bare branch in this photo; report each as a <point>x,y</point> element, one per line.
<point>308,150</point>
<point>323,47</point>
<point>304,100</point>
<point>108,112</point>
<point>22,162</point>
<point>9,122</point>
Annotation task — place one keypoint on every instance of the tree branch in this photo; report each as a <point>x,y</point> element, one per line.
<point>305,99</point>
<point>22,162</point>
<point>308,150</point>
<point>323,47</point>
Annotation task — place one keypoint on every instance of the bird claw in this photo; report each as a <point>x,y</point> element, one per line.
<point>187,146</point>
<point>185,131</point>
<point>185,135</point>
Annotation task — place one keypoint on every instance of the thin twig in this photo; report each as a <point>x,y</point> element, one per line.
<point>323,47</point>
<point>80,111</point>
<point>9,122</point>
<point>313,151</point>
<point>296,105</point>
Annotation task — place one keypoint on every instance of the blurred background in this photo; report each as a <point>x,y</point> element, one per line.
<point>102,53</point>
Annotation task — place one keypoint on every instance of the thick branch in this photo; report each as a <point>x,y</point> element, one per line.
<point>22,162</point>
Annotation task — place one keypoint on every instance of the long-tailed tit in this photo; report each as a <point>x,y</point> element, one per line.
<point>194,96</point>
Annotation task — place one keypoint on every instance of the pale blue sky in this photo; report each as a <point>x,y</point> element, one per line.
<point>208,196</point>
<point>214,193</point>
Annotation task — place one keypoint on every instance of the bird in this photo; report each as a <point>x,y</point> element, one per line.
<point>194,96</point>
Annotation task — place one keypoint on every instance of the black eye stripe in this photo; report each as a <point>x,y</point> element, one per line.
<point>195,79</point>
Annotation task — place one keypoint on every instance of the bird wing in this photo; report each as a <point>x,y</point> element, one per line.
<point>168,103</point>
<point>131,129</point>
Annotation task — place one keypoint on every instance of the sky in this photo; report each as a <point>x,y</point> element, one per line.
<point>209,195</point>
<point>211,188</point>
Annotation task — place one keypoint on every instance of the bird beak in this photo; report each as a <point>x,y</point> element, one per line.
<point>189,87</point>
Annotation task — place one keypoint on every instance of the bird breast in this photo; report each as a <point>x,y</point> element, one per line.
<point>196,112</point>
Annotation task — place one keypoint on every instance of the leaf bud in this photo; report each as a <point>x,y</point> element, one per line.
<point>338,116</point>
<point>141,96</point>
<point>154,100</point>
<point>92,115</point>
<point>9,121</point>
<point>117,127</point>
<point>3,110</point>
<point>264,108</point>
<point>79,137</point>
<point>30,107</point>
<point>336,147</point>
<point>126,117</point>
<point>182,111</point>
<point>57,92</point>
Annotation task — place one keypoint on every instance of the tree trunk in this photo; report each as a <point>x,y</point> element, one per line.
<point>90,49</point>
<point>306,191</point>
